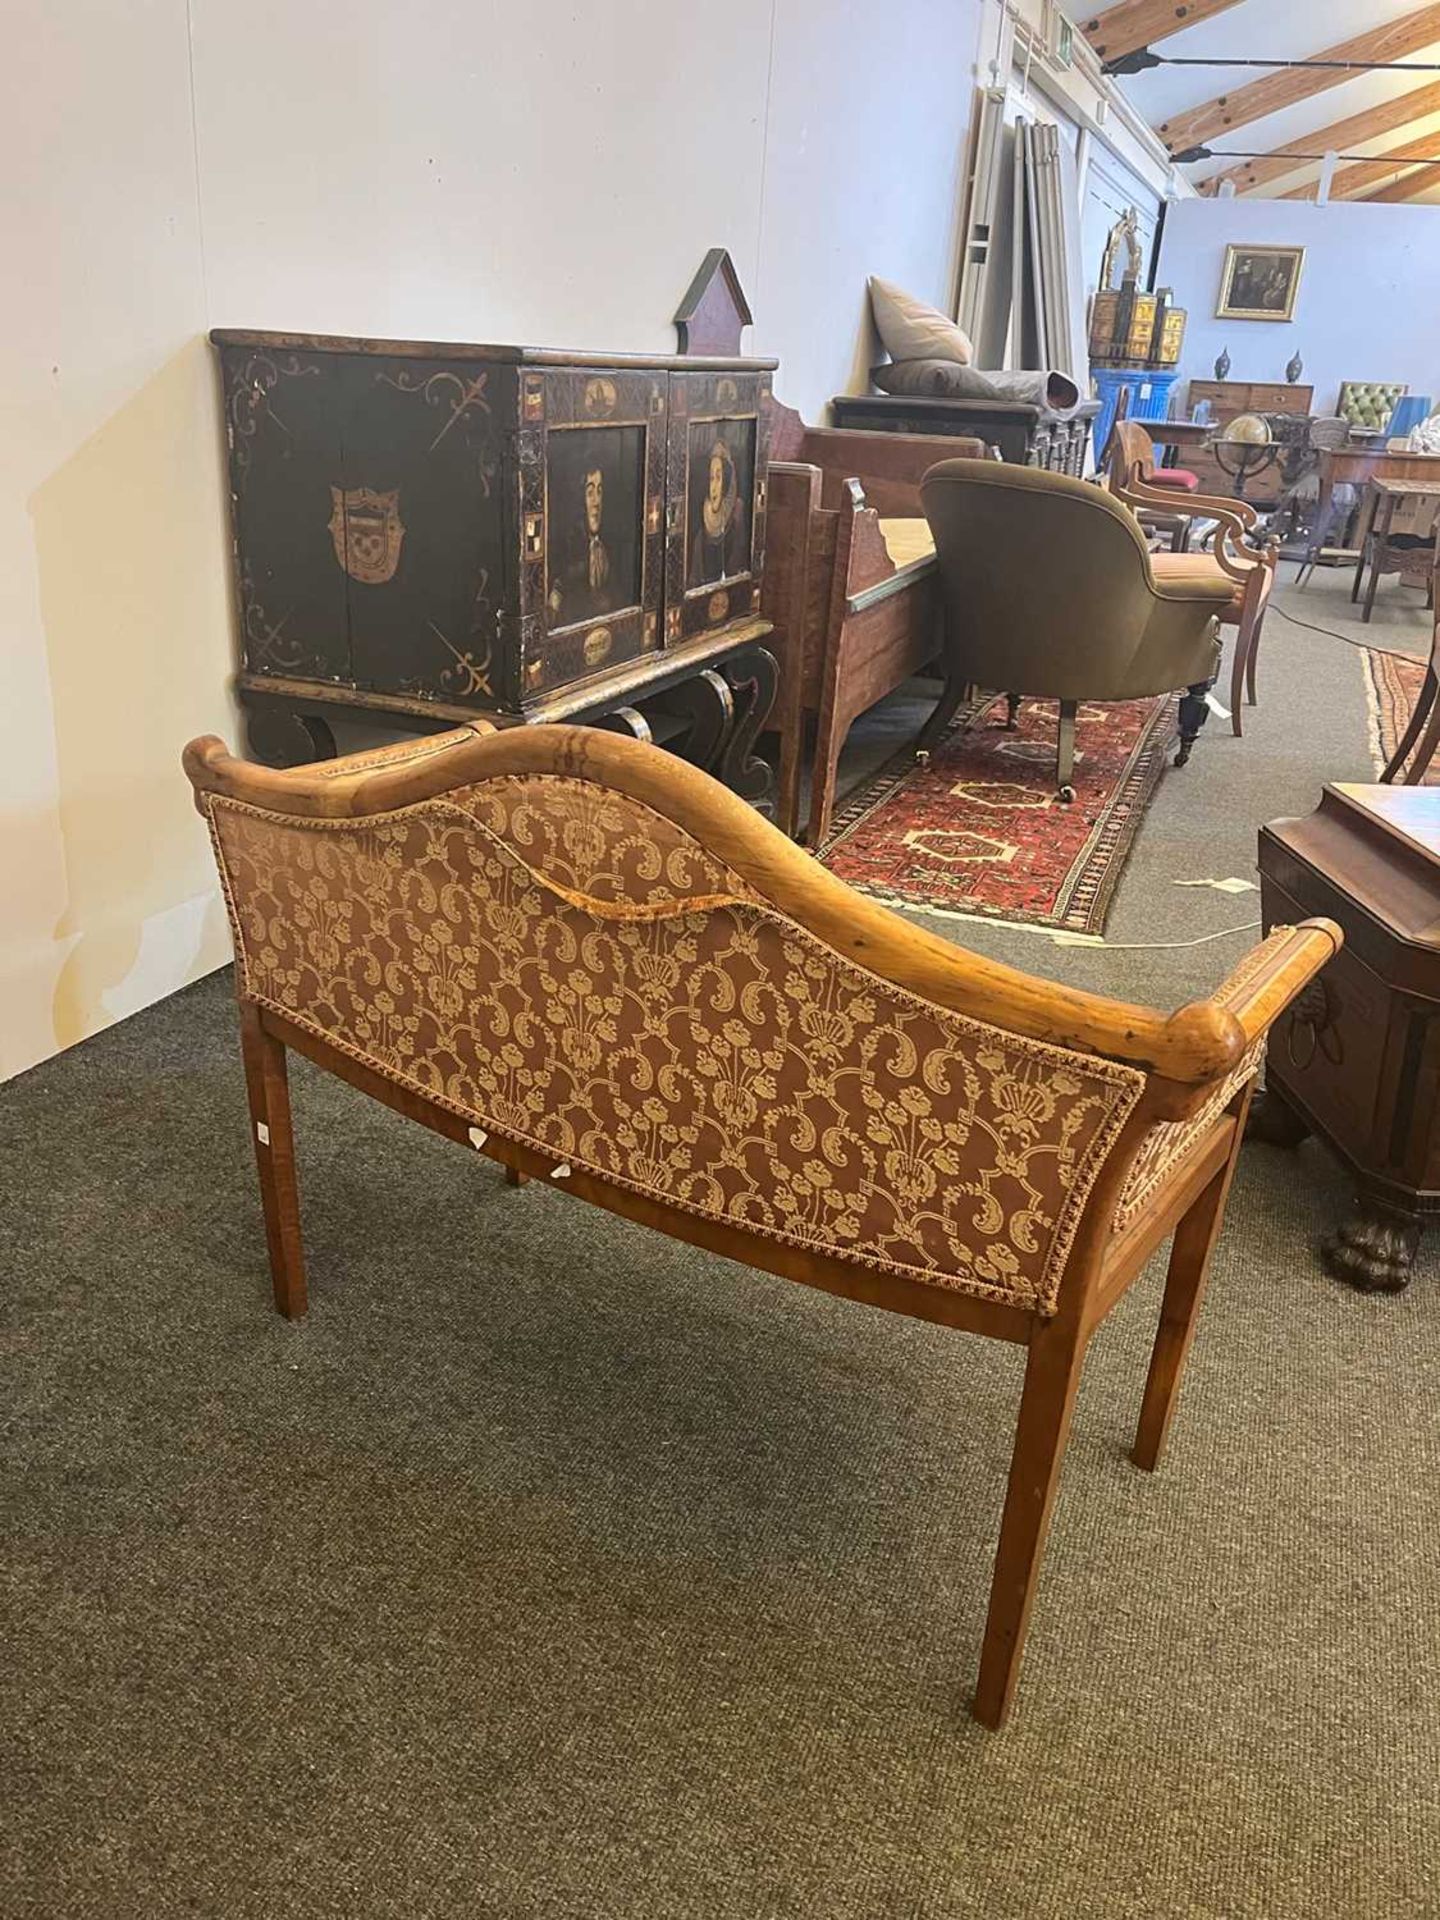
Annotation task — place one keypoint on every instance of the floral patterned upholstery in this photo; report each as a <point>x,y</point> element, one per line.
<point>1168,1142</point>
<point>566,967</point>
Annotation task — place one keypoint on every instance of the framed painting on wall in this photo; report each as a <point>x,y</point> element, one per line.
<point>1260,283</point>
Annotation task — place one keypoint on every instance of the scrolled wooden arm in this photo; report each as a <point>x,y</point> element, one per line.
<point>1233,552</point>
<point>1227,504</point>
<point>1272,974</point>
<point>1193,506</point>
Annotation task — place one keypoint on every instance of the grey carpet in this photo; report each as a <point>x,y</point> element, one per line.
<point>554,1569</point>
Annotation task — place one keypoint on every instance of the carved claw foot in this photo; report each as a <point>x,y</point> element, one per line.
<point>1274,1122</point>
<point>1374,1251</point>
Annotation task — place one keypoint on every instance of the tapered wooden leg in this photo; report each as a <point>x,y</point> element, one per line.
<point>1251,657</point>
<point>1369,606</point>
<point>1052,1374</point>
<point>514,1177</point>
<point>1189,1270</point>
<point>270,1132</point>
<point>1237,672</point>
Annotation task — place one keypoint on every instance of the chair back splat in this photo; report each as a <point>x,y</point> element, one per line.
<point>579,957</point>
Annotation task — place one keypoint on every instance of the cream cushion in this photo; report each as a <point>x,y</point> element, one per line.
<point>907,541</point>
<point>912,331</point>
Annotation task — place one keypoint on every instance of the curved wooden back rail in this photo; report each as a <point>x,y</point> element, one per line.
<point>584,959</point>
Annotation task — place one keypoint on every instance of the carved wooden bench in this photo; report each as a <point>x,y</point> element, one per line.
<point>586,960</point>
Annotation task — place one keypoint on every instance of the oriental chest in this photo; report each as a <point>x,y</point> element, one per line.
<point>434,531</point>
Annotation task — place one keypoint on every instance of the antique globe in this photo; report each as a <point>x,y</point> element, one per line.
<point>1244,447</point>
<point>1249,429</point>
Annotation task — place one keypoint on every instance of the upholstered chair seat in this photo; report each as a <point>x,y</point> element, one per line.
<point>1186,572</point>
<point>1178,477</point>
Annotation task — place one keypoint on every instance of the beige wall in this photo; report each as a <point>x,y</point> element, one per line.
<point>446,169</point>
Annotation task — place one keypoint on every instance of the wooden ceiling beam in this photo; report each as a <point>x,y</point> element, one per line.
<point>1287,85</point>
<point>1349,181</point>
<point>1409,188</point>
<point>1140,23</point>
<point>1338,137</point>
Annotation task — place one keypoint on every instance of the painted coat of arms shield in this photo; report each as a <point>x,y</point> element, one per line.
<point>366,530</point>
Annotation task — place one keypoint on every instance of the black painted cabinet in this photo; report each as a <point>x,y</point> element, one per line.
<point>485,529</point>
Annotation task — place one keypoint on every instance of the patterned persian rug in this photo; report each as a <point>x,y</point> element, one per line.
<point>979,831</point>
<point>1392,681</point>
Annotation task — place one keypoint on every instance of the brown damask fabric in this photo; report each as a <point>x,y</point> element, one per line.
<point>570,970</point>
<point>1168,1142</point>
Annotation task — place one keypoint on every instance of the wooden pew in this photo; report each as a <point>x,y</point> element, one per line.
<point>850,583</point>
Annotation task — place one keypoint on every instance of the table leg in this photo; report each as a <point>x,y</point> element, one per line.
<point>1324,507</point>
<point>1366,516</point>
<point>1379,548</point>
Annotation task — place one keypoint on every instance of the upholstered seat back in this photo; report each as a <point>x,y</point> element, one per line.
<point>1131,452</point>
<point>559,963</point>
<point>1048,588</point>
<point>1369,403</point>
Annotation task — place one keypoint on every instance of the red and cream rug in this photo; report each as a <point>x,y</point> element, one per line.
<point>978,830</point>
<point>1392,681</point>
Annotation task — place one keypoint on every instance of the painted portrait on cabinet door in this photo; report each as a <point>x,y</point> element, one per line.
<point>594,522</point>
<point>721,482</point>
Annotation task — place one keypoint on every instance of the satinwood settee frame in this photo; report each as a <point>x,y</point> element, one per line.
<point>525,840</point>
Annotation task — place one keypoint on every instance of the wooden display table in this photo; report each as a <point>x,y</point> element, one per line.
<point>1380,551</point>
<point>1356,1059</point>
<point>1355,467</point>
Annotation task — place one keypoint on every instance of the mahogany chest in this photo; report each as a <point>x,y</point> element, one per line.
<point>483,529</point>
<point>1356,1058</point>
<point>1227,400</point>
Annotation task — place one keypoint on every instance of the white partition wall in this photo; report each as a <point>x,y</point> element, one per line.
<point>528,170</point>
